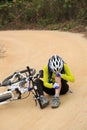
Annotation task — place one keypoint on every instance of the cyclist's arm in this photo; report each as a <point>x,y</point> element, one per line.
<point>45,78</point>
<point>68,74</point>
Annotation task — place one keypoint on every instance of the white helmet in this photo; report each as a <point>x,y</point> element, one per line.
<point>56,64</point>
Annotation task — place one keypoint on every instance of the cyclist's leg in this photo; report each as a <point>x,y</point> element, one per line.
<point>44,101</point>
<point>49,91</point>
<point>64,87</point>
<point>39,84</point>
<point>42,88</point>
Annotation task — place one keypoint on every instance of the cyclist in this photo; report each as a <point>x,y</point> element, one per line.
<point>56,75</point>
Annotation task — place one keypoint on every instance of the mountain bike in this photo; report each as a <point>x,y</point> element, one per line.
<point>19,83</point>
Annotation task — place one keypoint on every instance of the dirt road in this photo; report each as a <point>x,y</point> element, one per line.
<point>34,48</point>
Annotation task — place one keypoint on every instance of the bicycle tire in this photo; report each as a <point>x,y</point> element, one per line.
<point>37,97</point>
<point>5,97</point>
<point>7,81</point>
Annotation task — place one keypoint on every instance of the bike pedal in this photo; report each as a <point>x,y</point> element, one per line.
<point>19,97</point>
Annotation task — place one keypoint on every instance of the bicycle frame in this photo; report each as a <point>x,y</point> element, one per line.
<point>8,100</point>
<point>8,95</point>
<point>10,90</point>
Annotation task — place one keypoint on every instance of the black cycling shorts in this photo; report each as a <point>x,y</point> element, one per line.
<point>51,91</point>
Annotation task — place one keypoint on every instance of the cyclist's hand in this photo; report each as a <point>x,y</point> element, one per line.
<point>58,74</point>
<point>56,86</point>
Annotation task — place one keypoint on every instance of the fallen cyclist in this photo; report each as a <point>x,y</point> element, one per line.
<point>56,75</point>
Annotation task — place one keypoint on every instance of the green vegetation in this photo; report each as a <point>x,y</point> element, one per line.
<point>43,14</point>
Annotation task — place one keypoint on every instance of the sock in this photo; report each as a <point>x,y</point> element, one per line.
<point>56,95</point>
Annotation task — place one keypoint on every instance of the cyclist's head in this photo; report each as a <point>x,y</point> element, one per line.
<point>56,64</point>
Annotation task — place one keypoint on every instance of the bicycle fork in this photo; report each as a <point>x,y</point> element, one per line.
<point>37,97</point>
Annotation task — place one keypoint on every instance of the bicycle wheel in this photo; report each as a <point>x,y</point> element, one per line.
<point>37,96</point>
<point>7,81</point>
<point>5,97</point>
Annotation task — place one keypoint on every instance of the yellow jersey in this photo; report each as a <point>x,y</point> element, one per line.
<point>66,74</point>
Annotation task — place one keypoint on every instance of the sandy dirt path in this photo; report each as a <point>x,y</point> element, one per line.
<point>34,48</point>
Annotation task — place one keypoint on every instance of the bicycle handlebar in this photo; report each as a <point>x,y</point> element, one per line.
<point>9,80</point>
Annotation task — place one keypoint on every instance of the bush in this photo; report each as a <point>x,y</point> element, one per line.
<point>42,12</point>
